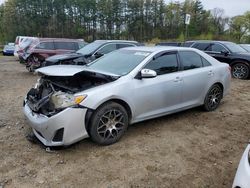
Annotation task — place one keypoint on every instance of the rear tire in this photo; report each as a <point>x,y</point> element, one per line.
<point>108,123</point>
<point>213,98</point>
<point>240,71</point>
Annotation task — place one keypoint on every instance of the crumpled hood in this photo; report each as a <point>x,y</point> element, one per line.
<point>61,70</point>
<point>56,58</point>
<point>68,70</point>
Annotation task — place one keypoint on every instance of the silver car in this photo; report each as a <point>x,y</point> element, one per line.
<point>242,176</point>
<point>100,100</point>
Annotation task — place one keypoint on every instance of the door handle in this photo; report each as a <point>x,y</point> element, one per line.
<point>210,73</point>
<point>177,79</point>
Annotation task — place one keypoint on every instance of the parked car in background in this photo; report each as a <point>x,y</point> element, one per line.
<point>42,48</point>
<point>90,52</point>
<point>228,52</point>
<point>245,46</point>
<point>168,44</point>
<point>129,85</point>
<point>18,41</point>
<point>9,49</point>
<point>242,177</point>
<point>23,47</point>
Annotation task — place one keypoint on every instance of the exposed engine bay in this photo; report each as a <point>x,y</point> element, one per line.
<point>52,94</point>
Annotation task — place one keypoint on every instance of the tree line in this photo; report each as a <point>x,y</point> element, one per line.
<point>141,20</point>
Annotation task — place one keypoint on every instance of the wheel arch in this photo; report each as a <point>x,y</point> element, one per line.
<point>116,100</point>
<point>239,60</point>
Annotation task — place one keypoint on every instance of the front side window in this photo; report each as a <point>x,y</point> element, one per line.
<point>166,63</point>
<point>190,60</point>
<point>107,49</point>
<point>201,46</point>
<point>46,46</point>
<point>216,48</point>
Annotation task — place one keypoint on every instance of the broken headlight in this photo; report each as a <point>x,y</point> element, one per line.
<point>63,100</point>
<point>38,83</point>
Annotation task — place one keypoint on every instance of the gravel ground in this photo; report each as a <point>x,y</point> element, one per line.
<point>188,149</point>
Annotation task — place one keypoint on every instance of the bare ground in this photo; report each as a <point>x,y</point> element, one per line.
<point>188,149</point>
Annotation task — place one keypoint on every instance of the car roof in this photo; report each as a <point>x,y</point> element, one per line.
<point>110,41</point>
<point>158,48</point>
<point>209,41</point>
<point>58,39</point>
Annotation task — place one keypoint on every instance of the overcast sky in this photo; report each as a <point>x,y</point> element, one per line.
<point>231,7</point>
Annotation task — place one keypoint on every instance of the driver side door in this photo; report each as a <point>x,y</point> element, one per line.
<point>157,96</point>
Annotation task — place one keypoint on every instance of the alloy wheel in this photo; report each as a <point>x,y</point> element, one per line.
<point>111,123</point>
<point>214,97</point>
<point>240,71</point>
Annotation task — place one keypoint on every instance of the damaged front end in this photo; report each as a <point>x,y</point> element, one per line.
<point>52,94</point>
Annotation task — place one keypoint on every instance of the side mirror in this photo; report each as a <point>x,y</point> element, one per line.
<point>148,73</point>
<point>225,52</point>
<point>98,54</point>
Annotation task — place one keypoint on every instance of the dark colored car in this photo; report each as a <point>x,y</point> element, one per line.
<point>168,44</point>
<point>90,52</point>
<point>41,48</point>
<point>9,49</point>
<point>228,52</point>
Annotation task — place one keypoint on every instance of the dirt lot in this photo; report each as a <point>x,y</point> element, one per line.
<point>188,149</point>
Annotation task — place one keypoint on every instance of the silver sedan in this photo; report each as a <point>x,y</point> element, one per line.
<point>100,100</point>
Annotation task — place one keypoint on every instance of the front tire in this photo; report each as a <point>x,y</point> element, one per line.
<point>213,98</point>
<point>33,63</point>
<point>108,123</point>
<point>240,71</point>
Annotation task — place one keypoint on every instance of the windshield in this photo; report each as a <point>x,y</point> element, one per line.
<point>235,48</point>
<point>120,62</point>
<point>246,47</point>
<point>88,49</point>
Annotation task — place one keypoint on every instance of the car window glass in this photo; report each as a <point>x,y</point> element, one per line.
<point>188,44</point>
<point>107,49</point>
<point>65,45</point>
<point>124,45</point>
<point>201,46</point>
<point>217,48</point>
<point>45,45</point>
<point>205,62</point>
<point>81,45</point>
<point>164,64</point>
<point>190,60</point>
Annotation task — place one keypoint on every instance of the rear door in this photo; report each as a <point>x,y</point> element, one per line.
<point>197,75</point>
<point>62,47</point>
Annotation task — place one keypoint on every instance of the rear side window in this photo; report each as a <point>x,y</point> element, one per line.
<point>190,60</point>
<point>205,62</point>
<point>65,45</point>
<point>124,45</point>
<point>45,46</point>
<point>164,64</point>
<point>201,46</point>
